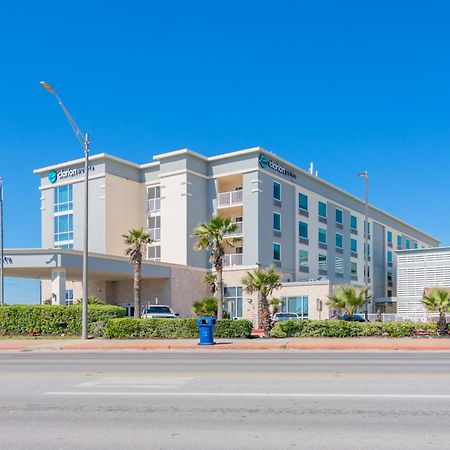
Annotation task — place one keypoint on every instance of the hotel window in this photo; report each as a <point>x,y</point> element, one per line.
<point>303,229</point>
<point>389,256</point>
<point>303,259</point>
<point>353,245</point>
<point>368,250</point>
<point>154,252</point>
<point>339,216</point>
<point>338,240</point>
<point>154,227</point>
<point>323,210</point>
<point>339,265</point>
<point>353,269</point>
<point>69,296</point>
<point>416,246</point>
<point>276,221</point>
<point>232,299</point>
<point>276,252</point>
<point>322,236</point>
<point>399,242</point>
<point>64,198</point>
<point>389,237</point>
<point>276,191</point>
<point>63,231</point>
<point>298,305</point>
<point>154,198</point>
<point>407,244</point>
<point>323,262</point>
<point>303,201</point>
<point>353,223</point>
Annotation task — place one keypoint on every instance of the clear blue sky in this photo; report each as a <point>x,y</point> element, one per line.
<point>349,85</point>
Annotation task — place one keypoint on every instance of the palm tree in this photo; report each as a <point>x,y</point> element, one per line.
<point>212,237</point>
<point>348,299</point>
<point>438,299</point>
<point>264,282</point>
<point>210,280</point>
<point>136,240</point>
<point>274,305</point>
<point>205,307</point>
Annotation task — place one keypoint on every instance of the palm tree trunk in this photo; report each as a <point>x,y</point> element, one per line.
<point>137,289</point>
<point>219,293</point>
<point>264,313</point>
<point>442,326</point>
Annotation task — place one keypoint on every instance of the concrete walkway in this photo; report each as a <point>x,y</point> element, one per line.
<point>55,344</point>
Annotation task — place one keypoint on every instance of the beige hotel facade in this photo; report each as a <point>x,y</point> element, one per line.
<point>310,230</point>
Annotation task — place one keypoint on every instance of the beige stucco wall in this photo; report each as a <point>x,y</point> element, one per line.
<point>124,211</point>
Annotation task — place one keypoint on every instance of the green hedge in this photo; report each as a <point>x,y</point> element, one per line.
<point>342,328</point>
<point>54,320</point>
<point>173,328</point>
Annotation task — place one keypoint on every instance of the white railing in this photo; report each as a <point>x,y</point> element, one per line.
<point>409,317</point>
<point>155,234</point>
<point>153,204</point>
<point>233,259</point>
<point>238,230</point>
<point>230,198</point>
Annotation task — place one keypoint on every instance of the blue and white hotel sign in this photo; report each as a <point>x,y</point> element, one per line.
<point>54,176</point>
<point>267,163</point>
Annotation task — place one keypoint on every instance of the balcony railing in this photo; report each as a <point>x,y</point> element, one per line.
<point>230,198</point>
<point>153,204</point>
<point>237,232</point>
<point>233,259</point>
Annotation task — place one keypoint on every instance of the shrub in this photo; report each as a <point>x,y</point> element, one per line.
<point>173,328</point>
<point>54,320</point>
<point>206,307</point>
<point>341,328</point>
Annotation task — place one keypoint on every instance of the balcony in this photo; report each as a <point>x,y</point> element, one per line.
<point>153,204</point>
<point>229,198</point>
<point>233,259</point>
<point>237,232</point>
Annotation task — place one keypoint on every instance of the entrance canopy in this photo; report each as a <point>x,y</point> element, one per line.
<point>60,265</point>
<point>41,263</point>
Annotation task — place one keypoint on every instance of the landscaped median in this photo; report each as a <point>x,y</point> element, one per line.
<point>344,329</point>
<point>55,320</point>
<point>173,328</point>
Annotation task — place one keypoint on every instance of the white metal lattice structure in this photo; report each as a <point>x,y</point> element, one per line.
<point>420,269</point>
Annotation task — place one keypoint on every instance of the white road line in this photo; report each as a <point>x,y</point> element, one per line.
<point>256,394</point>
<point>138,382</point>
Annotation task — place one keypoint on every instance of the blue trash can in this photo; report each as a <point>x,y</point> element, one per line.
<point>206,330</point>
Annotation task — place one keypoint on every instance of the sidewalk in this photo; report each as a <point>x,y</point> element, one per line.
<point>99,344</point>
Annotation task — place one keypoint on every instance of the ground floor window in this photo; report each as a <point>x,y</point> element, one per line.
<point>297,305</point>
<point>69,297</point>
<point>232,300</point>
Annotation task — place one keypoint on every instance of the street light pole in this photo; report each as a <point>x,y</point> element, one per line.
<point>84,141</point>
<point>2,256</point>
<point>365,174</point>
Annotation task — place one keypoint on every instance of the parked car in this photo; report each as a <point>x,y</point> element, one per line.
<point>346,317</point>
<point>283,316</point>
<point>159,312</point>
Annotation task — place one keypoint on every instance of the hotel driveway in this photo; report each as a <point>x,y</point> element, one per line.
<point>225,400</point>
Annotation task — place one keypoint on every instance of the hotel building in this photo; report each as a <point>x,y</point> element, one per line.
<point>310,230</point>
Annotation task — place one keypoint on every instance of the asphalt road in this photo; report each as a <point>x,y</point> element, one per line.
<point>225,400</point>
